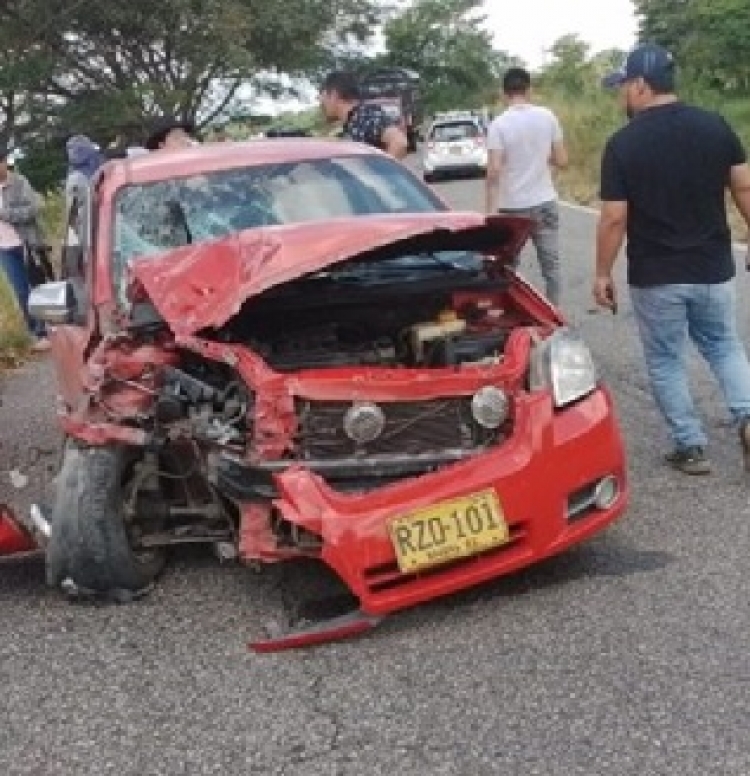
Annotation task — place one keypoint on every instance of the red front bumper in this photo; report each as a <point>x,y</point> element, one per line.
<point>541,474</point>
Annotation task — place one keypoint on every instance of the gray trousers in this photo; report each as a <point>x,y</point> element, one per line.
<point>546,239</point>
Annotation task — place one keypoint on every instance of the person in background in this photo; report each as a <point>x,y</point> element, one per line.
<point>525,143</point>
<point>170,134</point>
<point>664,177</point>
<point>363,122</point>
<point>84,159</point>
<point>159,216</point>
<point>19,228</point>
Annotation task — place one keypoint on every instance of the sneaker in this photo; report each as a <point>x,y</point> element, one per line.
<point>42,345</point>
<point>745,441</point>
<point>689,460</point>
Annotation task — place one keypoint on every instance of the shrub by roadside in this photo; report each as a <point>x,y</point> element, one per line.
<point>594,115</point>
<point>14,338</point>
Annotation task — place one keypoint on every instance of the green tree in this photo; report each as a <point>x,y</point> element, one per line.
<point>444,42</point>
<point>23,66</point>
<point>719,44</point>
<point>570,70</point>
<point>666,22</point>
<point>112,65</point>
<point>709,38</point>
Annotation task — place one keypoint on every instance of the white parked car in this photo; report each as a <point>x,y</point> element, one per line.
<point>455,145</point>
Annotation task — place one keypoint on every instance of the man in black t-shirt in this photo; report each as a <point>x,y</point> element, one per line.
<point>663,181</point>
<point>363,122</point>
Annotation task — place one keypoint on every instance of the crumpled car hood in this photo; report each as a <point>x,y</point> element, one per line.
<point>202,286</point>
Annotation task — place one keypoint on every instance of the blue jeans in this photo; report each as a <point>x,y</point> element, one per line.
<point>13,265</point>
<point>545,236</point>
<point>667,317</point>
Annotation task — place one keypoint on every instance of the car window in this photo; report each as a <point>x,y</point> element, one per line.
<point>458,130</point>
<point>154,217</point>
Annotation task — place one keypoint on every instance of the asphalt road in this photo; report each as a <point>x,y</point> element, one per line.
<point>627,656</point>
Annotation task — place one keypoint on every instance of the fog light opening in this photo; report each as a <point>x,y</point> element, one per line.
<point>490,407</point>
<point>606,492</point>
<point>364,422</point>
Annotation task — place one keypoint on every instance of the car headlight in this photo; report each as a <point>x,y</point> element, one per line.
<point>564,363</point>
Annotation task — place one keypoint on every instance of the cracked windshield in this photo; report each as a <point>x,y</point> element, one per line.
<point>156,217</point>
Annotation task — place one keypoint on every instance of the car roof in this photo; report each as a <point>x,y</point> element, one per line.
<point>214,157</point>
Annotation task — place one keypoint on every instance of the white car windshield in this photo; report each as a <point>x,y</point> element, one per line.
<point>445,133</point>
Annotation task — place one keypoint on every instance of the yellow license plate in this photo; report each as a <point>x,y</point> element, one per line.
<point>448,531</point>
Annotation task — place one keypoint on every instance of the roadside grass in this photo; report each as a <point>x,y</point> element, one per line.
<point>587,122</point>
<point>14,338</point>
<point>52,218</point>
<point>590,118</point>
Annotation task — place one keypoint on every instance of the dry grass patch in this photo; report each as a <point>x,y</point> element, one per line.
<point>14,337</point>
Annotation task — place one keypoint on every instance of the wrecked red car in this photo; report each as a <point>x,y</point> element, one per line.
<point>295,349</point>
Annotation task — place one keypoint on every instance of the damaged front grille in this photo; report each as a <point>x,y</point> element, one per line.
<point>410,428</point>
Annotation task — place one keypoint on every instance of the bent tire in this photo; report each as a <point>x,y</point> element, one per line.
<point>89,552</point>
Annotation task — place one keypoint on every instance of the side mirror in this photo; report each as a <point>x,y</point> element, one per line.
<point>53,303</point>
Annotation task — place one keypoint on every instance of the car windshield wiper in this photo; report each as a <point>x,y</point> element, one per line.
<point>404,265</point>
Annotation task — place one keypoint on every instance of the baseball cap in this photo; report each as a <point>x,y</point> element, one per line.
<point>648,61</point>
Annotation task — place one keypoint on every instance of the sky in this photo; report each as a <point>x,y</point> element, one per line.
<point>526,28</point>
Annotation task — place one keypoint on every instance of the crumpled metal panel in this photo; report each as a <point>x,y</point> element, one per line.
<point>203,286</point>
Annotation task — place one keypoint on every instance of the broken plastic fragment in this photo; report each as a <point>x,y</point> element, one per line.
<point>344,627</point>
<point>18,479</point>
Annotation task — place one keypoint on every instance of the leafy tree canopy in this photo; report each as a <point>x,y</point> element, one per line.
<point>106,67</point>
<point>443,40</point>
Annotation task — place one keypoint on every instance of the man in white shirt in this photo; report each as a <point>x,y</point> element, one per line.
<point>525,143</point>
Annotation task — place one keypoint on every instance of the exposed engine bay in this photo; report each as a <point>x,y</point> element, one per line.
<point>366,327</point>
<point>217,438</point>
<point>302,328</point>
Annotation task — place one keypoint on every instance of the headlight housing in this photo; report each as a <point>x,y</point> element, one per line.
<point>564,364</point>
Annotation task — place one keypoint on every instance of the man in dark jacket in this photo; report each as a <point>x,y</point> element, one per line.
<point>664,178</point>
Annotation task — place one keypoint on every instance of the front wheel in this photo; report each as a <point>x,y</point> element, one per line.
<point>89,551</point>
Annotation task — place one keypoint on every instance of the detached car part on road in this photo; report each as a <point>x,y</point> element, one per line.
<point>293,349</point>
